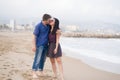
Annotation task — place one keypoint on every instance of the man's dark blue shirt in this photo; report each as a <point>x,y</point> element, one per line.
<point>41,32</point>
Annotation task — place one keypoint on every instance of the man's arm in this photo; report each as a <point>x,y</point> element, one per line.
<point>35,34</point>
<point>34,43</point>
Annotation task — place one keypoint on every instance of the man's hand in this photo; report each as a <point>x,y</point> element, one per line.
<point>34,48</point>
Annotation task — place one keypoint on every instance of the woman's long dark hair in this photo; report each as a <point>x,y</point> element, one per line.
<point>56,26</point>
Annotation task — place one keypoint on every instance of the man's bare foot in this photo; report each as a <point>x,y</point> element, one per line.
<point>40,73</point>
<point>34,76</point>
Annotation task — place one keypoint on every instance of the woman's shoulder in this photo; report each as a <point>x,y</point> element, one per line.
<point>58,31</point>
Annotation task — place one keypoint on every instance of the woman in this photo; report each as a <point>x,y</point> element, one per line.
<point>54,50</point>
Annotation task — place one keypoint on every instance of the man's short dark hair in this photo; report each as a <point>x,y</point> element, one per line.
<point>46,17</point>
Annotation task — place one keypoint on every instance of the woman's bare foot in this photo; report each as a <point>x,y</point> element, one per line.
<point>55,75</point>
<point>61,77</point>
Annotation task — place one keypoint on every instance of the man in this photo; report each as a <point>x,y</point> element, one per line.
<point>40,45</point>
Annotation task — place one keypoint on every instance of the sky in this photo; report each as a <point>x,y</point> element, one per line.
<point>68,11</point>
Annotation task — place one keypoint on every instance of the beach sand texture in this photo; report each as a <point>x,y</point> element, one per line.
<point>16,60</point>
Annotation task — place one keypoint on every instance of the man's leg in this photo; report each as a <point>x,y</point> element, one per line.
<point>34,68</point>
<point>43,58</point>
<point>37,59</point>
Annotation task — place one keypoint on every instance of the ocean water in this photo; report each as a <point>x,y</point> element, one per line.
<point>102,54</point>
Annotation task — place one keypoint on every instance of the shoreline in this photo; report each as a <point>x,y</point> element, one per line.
<point>77,70</point>
<point>101,58</point>
<point>95,62</point>
<point>99,64</point>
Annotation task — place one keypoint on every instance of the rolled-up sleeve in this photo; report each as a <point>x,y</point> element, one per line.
<point>36,30</point>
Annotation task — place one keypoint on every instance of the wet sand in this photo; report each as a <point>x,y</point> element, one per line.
<point>16,60</point>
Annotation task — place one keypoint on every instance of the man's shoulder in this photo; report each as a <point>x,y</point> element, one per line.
<point>39,24</point>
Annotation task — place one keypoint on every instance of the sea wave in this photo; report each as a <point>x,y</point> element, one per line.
<point>102,54</point>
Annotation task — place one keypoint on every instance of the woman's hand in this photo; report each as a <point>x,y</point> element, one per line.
<point>55,50</point>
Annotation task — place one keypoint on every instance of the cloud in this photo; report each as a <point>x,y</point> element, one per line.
<point>66,10</point>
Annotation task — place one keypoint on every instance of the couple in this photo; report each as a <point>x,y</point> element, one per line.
<point>46,43</point>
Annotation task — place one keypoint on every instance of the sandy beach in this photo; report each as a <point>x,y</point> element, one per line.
<point>16,60</point>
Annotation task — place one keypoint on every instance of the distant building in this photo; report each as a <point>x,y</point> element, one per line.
<point>20,27</point>
<point>12,25</point>
<point>72,28</point>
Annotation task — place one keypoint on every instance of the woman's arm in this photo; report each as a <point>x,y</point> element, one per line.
<point>58,33</point>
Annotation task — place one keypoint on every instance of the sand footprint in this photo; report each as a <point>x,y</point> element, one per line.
<point>6,65</point>
<point>4,68</point>
<point>3,74</point>
<point>11,73</point>
<point>9,79</point>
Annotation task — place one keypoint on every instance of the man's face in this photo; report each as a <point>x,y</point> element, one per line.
<point>48,21</point>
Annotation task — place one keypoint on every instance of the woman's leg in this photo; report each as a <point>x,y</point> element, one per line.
<point>59,61</point>
<point>53,66</point>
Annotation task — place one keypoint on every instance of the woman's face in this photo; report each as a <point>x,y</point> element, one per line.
<point>52,22</point>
